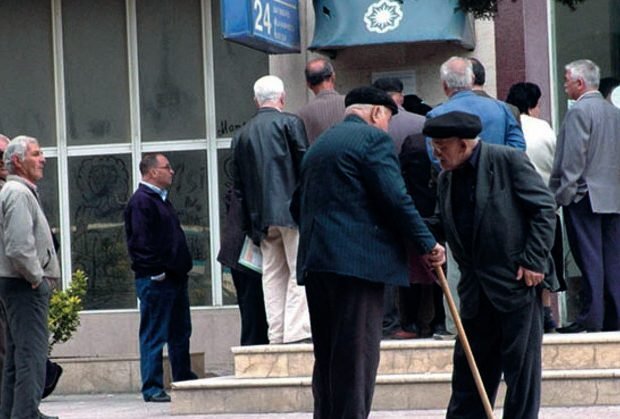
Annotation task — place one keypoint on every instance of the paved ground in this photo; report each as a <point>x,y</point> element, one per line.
<point>131,406</point>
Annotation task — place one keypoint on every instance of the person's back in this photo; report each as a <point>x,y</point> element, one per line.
<point>327,106</point>
<point>268,152</point>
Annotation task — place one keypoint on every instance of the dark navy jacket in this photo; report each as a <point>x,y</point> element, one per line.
<point>353,210</point>
<point>155,239</point>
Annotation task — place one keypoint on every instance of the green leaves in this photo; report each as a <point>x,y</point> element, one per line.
<point>65,305</point>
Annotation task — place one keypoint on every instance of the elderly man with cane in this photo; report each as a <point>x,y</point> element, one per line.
<point>498,217</point>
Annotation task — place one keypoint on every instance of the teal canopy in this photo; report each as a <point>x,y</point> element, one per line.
<point>340,24</point>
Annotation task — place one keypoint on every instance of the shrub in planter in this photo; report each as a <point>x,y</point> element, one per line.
<point>65,307</point>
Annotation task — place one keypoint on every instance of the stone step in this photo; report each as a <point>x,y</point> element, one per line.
<point>111,374</point>
<point>418,356</point>
<point>392,392</point>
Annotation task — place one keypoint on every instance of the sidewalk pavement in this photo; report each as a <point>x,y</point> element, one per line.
<point>131,406</point>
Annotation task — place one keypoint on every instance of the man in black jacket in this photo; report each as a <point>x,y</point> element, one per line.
<point>498,217</point>
<point>267,155</point>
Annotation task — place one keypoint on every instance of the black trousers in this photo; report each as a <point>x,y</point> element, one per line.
<point>26,343</point>
<point>508,343</point>
<point>249,286</point>
<point>595,242</point>
<point>345,316</point>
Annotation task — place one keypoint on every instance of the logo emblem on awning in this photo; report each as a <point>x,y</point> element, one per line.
<point>383,16</point>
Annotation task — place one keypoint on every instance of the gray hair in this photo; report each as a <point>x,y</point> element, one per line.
<point>17,147</point>
<point>585,70</point>
<point>268,88</point>
<point>457,73</point>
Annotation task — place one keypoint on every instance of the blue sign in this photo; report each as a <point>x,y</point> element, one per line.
<point>266,25</point>
<point>342,24</point>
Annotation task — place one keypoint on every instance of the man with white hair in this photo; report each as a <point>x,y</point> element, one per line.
<point>267,155</point>
<point>28,271</point>
<point>498,127</point>
<point>585,179</point>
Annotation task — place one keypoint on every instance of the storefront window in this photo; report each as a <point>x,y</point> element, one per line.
<point>96,72</point>
<point>172,104</point>
<point>26,72</point>
<point>99,188</point>
<point>236,69</point>
<point>592,31</point>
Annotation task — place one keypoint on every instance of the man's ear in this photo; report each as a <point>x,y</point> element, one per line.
<point>375,113</point>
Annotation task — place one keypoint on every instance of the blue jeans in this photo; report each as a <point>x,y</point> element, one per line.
<point>164,319</point>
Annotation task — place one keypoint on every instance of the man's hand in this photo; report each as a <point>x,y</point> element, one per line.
<point>51,283</point>
<point>436,257</point>
<point>531,278</point>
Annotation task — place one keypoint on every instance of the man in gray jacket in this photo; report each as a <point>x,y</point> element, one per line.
<point>28,270</point>
<point>585,179</point>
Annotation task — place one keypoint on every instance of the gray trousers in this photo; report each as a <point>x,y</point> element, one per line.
<point>26,347</point>
<point>452,276</point>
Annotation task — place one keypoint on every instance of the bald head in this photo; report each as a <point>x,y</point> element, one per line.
<point>456,74</point>
<point>320,75</point>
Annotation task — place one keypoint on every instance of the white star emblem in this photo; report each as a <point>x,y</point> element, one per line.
<point>383,16</point>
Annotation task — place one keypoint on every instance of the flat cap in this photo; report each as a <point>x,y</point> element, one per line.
<point>368,95</point>
<point>389,84</point>
<point>453,124</point>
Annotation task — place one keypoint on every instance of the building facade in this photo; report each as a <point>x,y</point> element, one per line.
<point>99,83</point>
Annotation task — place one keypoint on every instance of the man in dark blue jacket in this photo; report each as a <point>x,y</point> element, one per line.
<point>354,217</point>
<point>161,260</point>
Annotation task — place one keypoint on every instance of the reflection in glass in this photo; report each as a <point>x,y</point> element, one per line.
<point>26,72</point>
<point>190,196</point>
<point>236,69</point>
<point>99,188</point>
<point>96,75</point>
<point>48,193</point>
<point>224,167</point>
<point>171,72</point>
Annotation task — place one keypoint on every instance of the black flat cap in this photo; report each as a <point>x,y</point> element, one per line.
<point>368,95</point>
<point>389,84</point>
<point>453,124</point>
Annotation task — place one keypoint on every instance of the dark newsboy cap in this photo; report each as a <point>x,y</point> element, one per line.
<point>368,95</point>
<point>389,84</point>
<point>453,124</point>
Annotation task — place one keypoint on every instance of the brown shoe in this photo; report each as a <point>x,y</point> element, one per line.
<point>403,334</point>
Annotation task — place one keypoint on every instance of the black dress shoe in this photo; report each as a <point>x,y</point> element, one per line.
<point>52,375</point>
<point>161,397</point>
<point>572,328</point>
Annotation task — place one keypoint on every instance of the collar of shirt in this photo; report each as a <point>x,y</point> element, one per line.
<point>472,161</point>
<point>589,92</point>
<point>163,193</point>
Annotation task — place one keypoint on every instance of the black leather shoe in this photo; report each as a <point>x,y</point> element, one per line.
<point>44,416</point>
<point>572,328</point>
<point>52,375</point>
<point>161,397</point>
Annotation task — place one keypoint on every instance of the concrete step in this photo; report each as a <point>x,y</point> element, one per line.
<point>393,392</point>
<point>418,356</point>
<point>111,375</point>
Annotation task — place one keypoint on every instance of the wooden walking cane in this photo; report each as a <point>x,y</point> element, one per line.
<point>443,282</point>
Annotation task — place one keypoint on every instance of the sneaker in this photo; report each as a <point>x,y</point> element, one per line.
<point>443,335</point>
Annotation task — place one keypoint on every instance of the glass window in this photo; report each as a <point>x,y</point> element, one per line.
<point>26,72</point>
<point>236,69</point>
<point>96,73</point>
<point>224,167</point>
<point>171,69</point>
<point>99,187</point>
<point>190,196</point>
<point>48,193</point>
<point>597,39</point>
